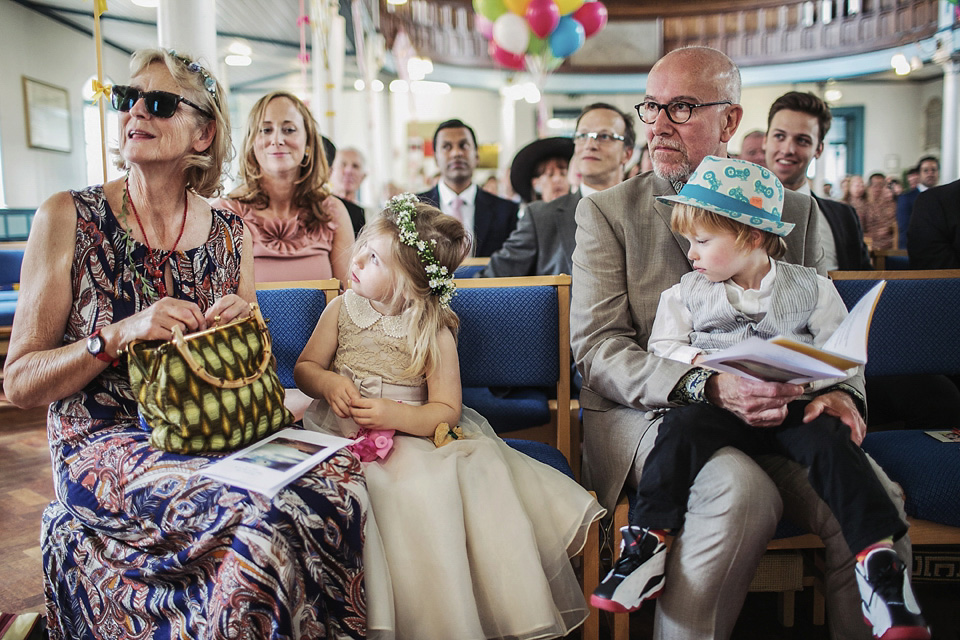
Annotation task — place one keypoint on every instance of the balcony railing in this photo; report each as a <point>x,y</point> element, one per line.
<point>802,31</point>
<point>792,31</point>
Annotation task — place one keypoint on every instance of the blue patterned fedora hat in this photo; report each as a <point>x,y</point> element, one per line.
<point>737,189</point>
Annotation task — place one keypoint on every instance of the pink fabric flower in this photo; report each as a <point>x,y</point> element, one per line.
<point>371,445</point>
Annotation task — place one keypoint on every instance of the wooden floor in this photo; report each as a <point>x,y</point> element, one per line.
<point>26,487</point>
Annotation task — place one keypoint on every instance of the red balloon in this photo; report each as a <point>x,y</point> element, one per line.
<point>542,16</point>
<point>592,15</point>
<point>506,59</point>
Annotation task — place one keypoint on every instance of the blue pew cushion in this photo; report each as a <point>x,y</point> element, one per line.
<point>291,316</point>
<point>516,409</point>
<point>927,469</point>
<point>542,453</point>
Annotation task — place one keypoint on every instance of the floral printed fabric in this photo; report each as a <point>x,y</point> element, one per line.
<point>137,545</point>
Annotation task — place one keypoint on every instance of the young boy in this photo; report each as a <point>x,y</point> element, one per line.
<point>729,211</point>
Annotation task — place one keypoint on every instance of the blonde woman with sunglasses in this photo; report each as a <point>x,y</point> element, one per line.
<point>136,542</point>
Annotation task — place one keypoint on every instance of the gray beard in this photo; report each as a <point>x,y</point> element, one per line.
<point>679,174</point>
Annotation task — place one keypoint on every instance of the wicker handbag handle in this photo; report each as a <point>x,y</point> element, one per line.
<point>197,368</point>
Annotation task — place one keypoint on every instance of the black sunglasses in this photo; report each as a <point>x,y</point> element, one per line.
<point>161,104</point>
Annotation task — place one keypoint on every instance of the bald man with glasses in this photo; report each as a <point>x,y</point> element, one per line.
<point>626,255</point>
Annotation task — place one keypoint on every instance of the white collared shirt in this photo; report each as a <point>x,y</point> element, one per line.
<point>586,191</point>
<point>467,209</point>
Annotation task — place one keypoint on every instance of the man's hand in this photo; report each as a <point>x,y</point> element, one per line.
<point>841,405</point>
<point>759,404</point>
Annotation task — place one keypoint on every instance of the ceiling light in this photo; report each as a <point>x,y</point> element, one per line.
<point>377,85</point>
<point>832,95</point>
<point>359,85</point>
<point>146,3</point>
<point>240,48</point>
<point>238,61</point>
<point>530,93</point>
<point>555,123</point>
<point>396,1</point>
<point>418,68</point>
<point>429,88</point>
<point>900,64</point>
<point>399,86</point>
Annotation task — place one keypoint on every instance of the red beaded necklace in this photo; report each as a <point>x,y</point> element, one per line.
<point>156,270</point>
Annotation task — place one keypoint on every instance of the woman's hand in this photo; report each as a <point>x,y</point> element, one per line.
<point>374,413</point>
<point>229,308</point>
<point>341,394</point>
<point>156,322</point>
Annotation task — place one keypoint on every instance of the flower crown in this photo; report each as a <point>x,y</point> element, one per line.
<point>208,82</point>
<point>403,208</point>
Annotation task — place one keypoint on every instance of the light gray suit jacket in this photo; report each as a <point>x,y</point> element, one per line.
<point>543,242</point>
<point>626,255</point>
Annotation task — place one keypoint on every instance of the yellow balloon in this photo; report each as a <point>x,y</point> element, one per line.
<point>566,6</point>
<point>519,7</point>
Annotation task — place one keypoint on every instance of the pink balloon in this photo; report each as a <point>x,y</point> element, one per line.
<point>542,16</point>
<point>484,25</point>
<point>506,59</point>
<point>592,15</point>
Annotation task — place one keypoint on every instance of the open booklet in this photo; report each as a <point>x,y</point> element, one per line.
<point>781,359</point>
<point>270,464</point>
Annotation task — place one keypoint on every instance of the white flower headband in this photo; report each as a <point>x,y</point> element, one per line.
<point>403,208</point>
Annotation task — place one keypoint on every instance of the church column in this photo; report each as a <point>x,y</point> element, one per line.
<point>190,27</point>
<point>327,59</point>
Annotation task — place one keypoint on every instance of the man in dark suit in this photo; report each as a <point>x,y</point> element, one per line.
<point>491,218</point>
<point>544,240</point>
<point>933,240</point>
<point>929,171</point>
<point>796,126</point>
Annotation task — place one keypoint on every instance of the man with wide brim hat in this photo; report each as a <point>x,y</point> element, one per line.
<point>530,162</point>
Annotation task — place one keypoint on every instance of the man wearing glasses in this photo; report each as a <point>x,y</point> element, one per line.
<point>543,242</point>
<point>626,255</point>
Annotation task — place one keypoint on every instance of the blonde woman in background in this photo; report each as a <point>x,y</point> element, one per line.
<point>300,229</point>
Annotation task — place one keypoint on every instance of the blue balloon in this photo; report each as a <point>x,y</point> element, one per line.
<point>567,37</point>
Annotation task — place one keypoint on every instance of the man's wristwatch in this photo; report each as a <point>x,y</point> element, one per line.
<point>97,347</point>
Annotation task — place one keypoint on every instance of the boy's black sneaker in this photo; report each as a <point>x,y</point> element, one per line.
<point>636,576</point>
<point>889,605</point>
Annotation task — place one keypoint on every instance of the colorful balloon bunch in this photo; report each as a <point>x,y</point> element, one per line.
<point>519,30</point>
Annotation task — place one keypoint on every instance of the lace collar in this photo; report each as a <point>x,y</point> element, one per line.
<point>365,316</point>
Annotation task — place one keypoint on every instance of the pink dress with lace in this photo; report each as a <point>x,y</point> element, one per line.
<point>285,249</point>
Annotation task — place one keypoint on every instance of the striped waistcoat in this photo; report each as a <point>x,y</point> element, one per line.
<point>718,325</point>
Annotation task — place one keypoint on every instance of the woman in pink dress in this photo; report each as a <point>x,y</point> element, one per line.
<point>300,230</point>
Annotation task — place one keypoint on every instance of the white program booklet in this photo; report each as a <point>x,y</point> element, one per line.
<point>781,359</point>
<point>270,464</point>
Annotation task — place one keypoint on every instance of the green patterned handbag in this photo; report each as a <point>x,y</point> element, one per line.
<point>214,390</point>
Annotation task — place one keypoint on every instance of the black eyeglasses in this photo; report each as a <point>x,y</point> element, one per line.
<point>161,104</point>
<point>678,112</point>
<point>580,137</point>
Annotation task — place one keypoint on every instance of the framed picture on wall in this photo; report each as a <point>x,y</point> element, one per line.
<point>47,111</point>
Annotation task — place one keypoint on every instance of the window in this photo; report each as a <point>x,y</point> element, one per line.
<point>91,143</point>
